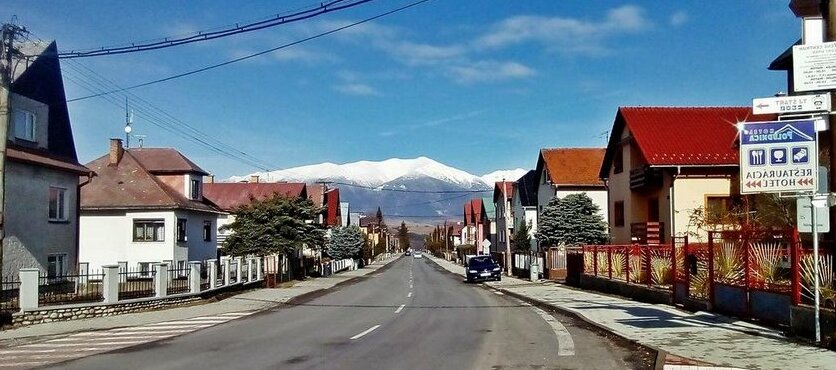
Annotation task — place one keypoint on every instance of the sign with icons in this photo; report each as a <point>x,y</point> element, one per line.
<point>778,156</point>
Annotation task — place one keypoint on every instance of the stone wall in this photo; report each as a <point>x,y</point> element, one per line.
<point>75,312</point>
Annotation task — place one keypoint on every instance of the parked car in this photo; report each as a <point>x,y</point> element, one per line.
<point>482,268</point>
<point>408,252</point>
<point>417,255</point>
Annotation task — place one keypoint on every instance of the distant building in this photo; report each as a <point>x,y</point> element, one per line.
<point>344,214</point>
<point>502,194</point>
<point>524,205</point>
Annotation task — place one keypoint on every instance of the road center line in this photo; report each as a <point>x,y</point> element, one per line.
<point>367,331</point>
<point>400,308</point>
<point>409,295</point>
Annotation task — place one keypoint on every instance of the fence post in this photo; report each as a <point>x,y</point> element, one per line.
<point>627,264</point>
<point>673,268</point>
<point>110,283</point>
<point>746,273</point>
<point>226,271</point>
<point>711,268</point>
<point>609,262</point>
<point>648,269</point>
<point>212,271</point>
<point>160,280</point>
<point>795,271</point>
<point>259,273</point>
<point>82,282</point>
<point>238,269</point>
<point>28,294</point>
<point>194,277</point>
<point>595,259</point>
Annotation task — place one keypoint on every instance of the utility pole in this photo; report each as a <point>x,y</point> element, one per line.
<point>7,50</point>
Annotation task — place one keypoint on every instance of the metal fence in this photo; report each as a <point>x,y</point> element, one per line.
<point>178,279</point>
<point>86,286</point>
<point>9,296</point>
<point>136,283</point>
<point>204,275</point>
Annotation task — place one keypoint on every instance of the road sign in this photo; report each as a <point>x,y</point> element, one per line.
<point>803,216</point>
<point>792,104</point>
<point>814,67</point>
<point>778,156</point>
<point>486,243</point>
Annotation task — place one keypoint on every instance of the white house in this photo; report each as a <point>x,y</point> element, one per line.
<point>564,171</point>
<point>524,205</point>
<point>146,205</point>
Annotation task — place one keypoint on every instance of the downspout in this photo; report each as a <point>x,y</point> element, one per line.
<point>671,197</point>
<point>90,176</point>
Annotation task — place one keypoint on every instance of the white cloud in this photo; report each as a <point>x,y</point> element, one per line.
<point>453,118</point>
<point>357,89</point>
<point>679,18</point>
<point>565,34</point>
<point>300,54</point>
<point>490,71</point>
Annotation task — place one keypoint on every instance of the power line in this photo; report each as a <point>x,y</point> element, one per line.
<point>213,66</point>
<point>278,19</point>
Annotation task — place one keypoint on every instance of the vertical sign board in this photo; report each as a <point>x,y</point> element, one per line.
<point>814,67</point>
<point>778,156</point>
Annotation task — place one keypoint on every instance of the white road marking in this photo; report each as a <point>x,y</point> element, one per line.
<point>167,323</point>
<point>498,292</point>
<point>410,286</point>
<point>400,308</point>
<point>409,295</point>
<point>367,331</point>
<point>565,344</point>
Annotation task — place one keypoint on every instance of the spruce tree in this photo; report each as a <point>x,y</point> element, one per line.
<point>345,242</point>
<point>522,238</point>
<point>274,225</point>
<point>572,220</point>
<point>403,236</point>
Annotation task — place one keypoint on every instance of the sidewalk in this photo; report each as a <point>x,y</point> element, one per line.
<point>701,336</point>
<point>253,300</point>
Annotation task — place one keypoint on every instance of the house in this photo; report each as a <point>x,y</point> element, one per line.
<point>329,201</point>
<point>564,171</point>
<point>41,170</point>
<point>230,196</point>
<point>146,205</point>
<point>374,227</point>
<point>345,211</point>
<point>663,163</point>
<point>488,223</point>
<point>503,192</point>
<point>524,205</point>
<point>473,231</point>
<point>455,234</point>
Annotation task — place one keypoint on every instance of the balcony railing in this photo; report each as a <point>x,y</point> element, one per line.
<point>645,178</point>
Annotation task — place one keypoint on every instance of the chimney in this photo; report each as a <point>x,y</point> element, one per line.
<point>254,179</point>
<point>116,152</point>
<point>209,179</point>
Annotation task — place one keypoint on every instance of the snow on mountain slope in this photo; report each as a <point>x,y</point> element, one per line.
<point>372,173</point>
<point>508,175</point>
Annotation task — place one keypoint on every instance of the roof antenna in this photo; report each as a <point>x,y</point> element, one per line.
<point>129,120</point>
<point>141,139</point>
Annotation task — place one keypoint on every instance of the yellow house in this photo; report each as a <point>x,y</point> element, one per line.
<point>663,164</point>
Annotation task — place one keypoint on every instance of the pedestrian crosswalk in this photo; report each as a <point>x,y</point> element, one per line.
<point>90,343</point>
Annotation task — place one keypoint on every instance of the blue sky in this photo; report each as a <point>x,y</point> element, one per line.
<point>479,85</point>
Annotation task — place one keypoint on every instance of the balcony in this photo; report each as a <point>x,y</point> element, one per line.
<point>645,178</point>
<point>648,233</point>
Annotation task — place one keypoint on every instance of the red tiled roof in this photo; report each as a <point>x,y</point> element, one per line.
<point>572,166</point>
<point>129,185</point>
<point>164,160</point>
<point>333,212</point>
<point>229,196</point>
<point>682,136</point>
<point>477,210</point>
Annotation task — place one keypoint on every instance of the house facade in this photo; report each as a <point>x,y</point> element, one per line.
<point>488,224</point>
<point>42,171</point>
<point>564,171</point>
<point>146,205</point>
<point>502,194</point>
<point>660,167</point>
<point>524,206</point>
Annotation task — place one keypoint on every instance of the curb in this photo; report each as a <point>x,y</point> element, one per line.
<point>319,292</point>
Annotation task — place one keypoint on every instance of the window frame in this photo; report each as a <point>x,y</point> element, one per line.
<point>194,189</point>
<point>32,130</point>
<point>207,230</point>
<point>711,219</point>
<point>60,262</point>
<point>618,159</point>
<point>618,213</point>
<point>181,230</point>
<point>61,205</point>
<point>157,227</point>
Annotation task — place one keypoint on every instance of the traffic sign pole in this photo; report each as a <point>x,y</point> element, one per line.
<point>816,203</point>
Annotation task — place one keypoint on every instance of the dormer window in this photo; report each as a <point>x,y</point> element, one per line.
<point>195,189</point>
<point>24,125</point>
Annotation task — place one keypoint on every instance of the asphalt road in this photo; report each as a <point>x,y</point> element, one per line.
<point>410,315</point>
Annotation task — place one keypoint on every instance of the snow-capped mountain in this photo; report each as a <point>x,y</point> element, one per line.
<point>441,189</point>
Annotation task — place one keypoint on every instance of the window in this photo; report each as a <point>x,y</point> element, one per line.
<point>716,208</point>
<point>195,189</point>
<point>181,230</point>
<point>618,213</point>
<point>618,159</point>
<point>57,204</point>
<point>207,231</point>
<point>149,230</point>
<point>144,269</point>
<point>653,210</point>
<point>24,125</point>
<point>56,265</point>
